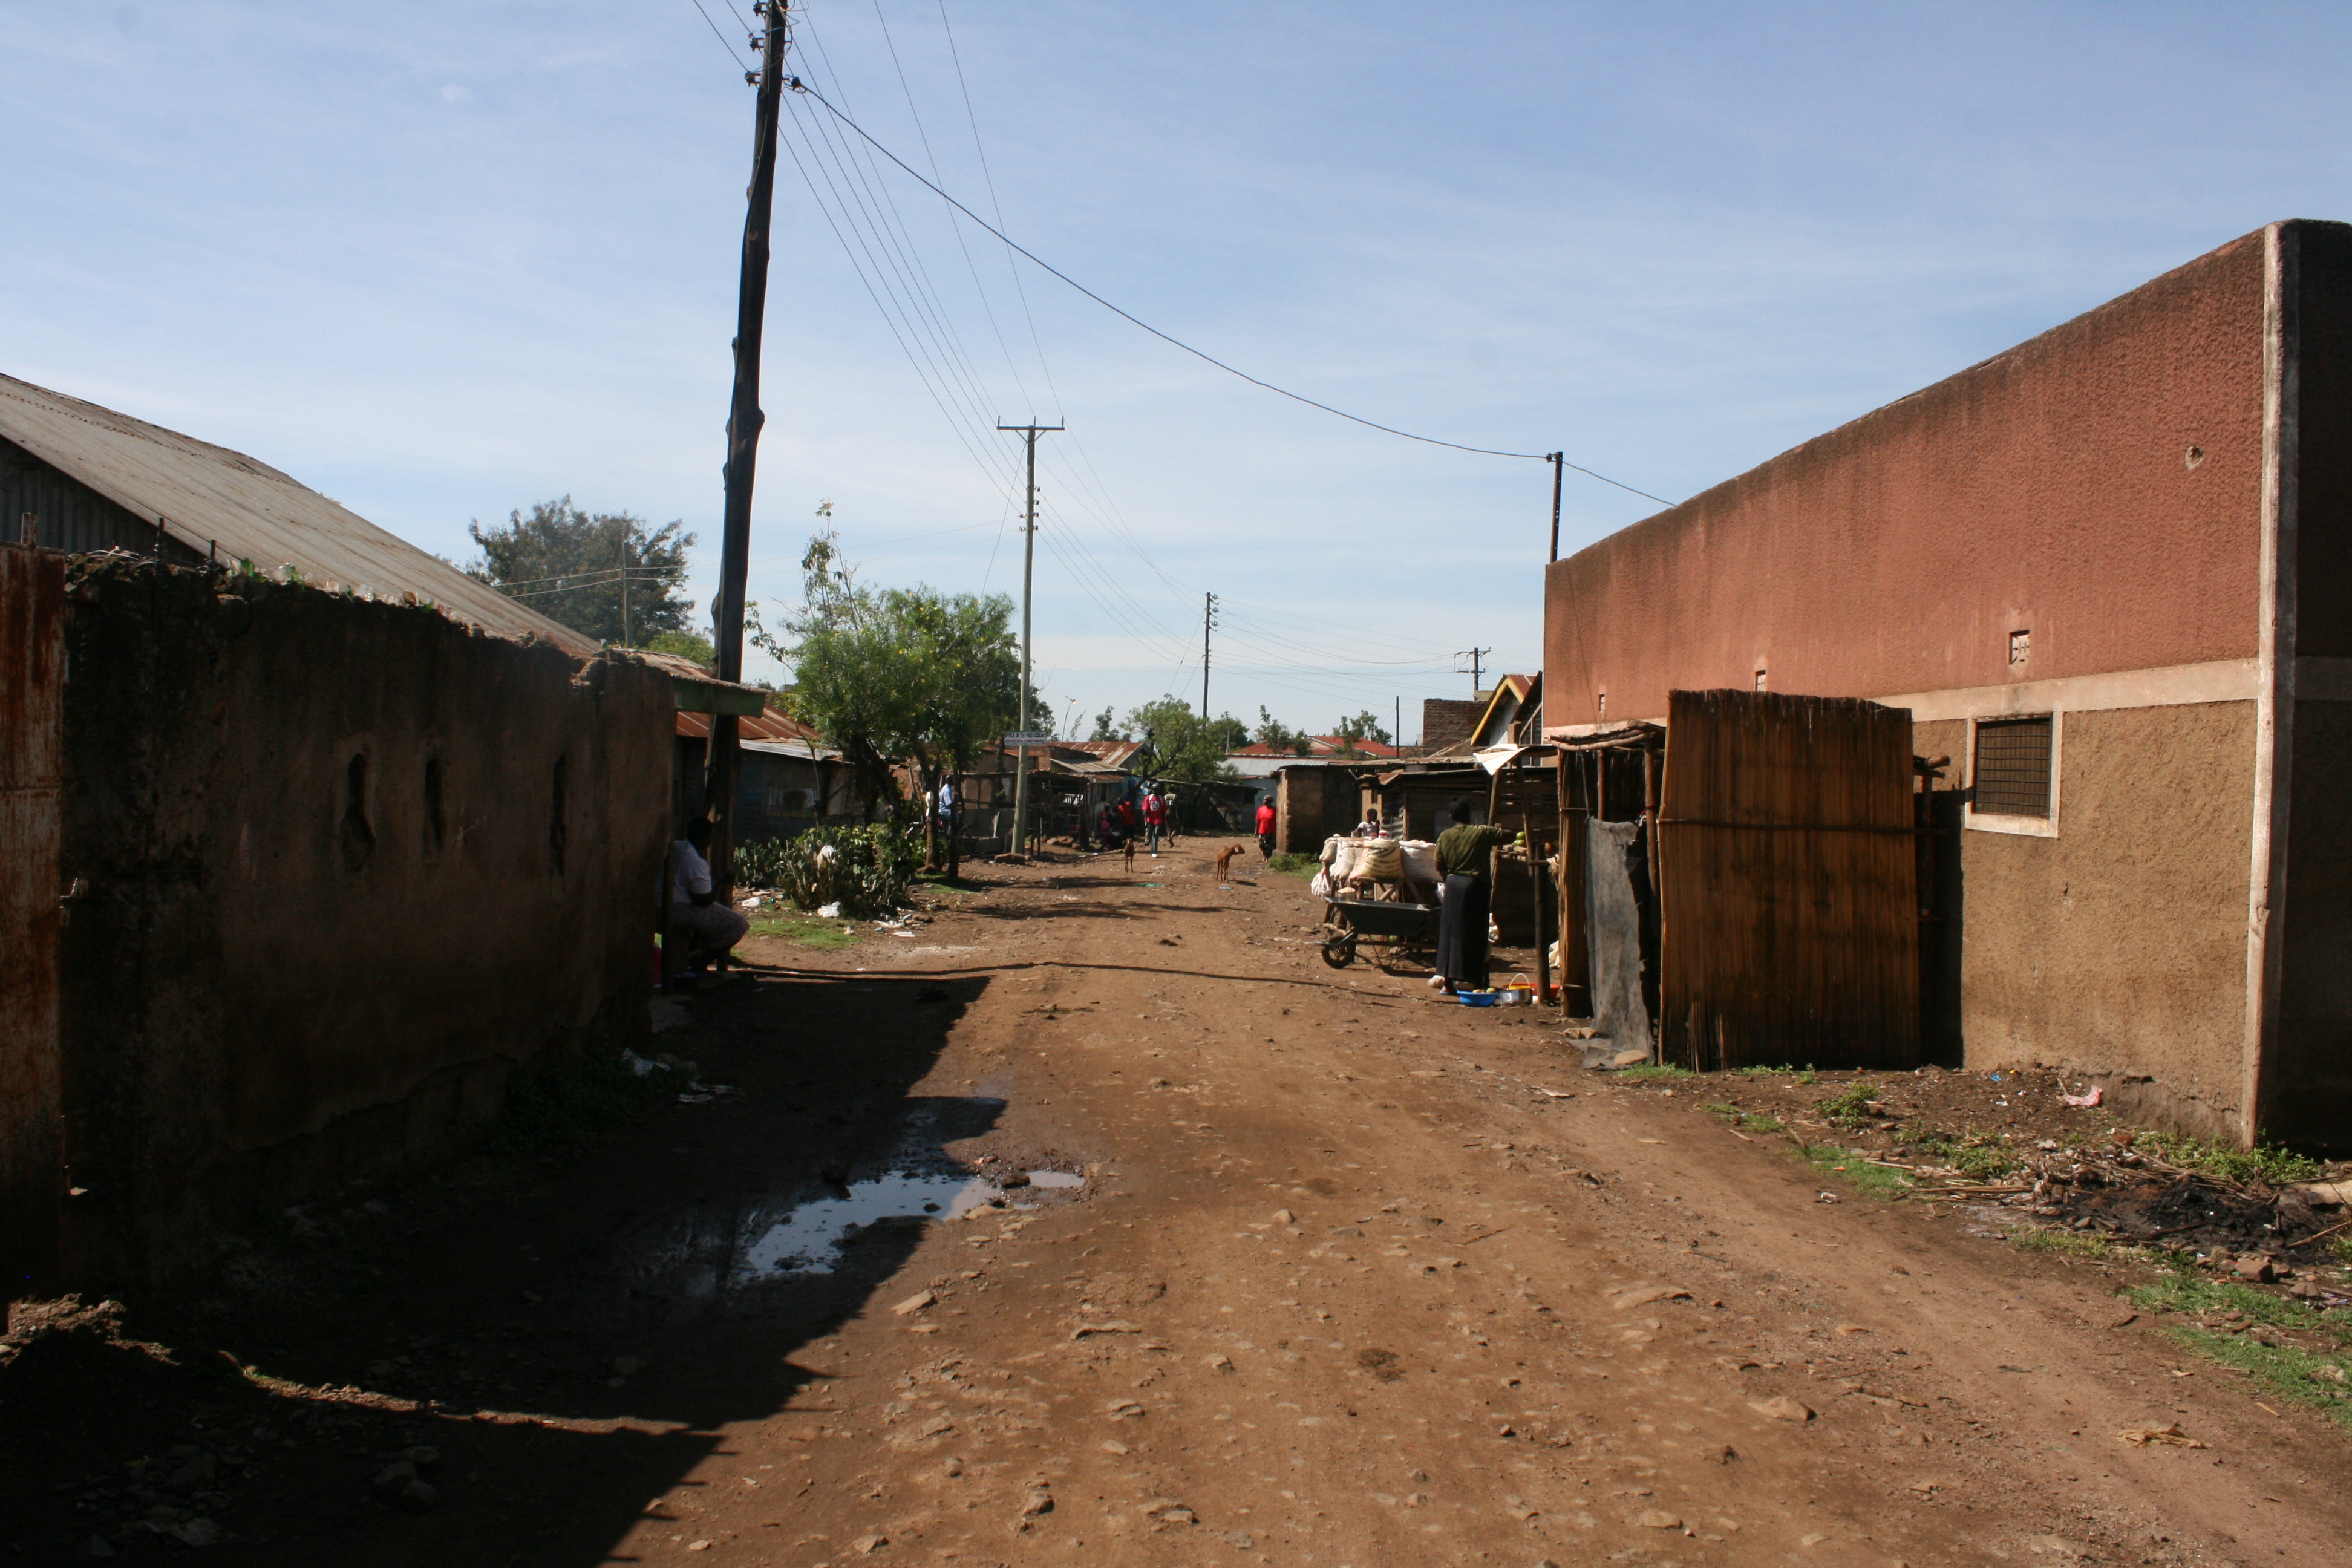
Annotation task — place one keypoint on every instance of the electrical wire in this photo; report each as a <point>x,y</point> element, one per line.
<point>720,37</point>
<point>797,85</point>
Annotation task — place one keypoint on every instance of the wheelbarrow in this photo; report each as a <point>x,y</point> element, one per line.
<point>1405,930</point>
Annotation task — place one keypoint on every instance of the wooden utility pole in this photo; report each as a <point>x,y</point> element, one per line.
<point>743,421</point>
<point>1558,462</point>
<point>1028,570</point>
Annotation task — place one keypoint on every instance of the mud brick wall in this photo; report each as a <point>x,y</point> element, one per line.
<point>334,870</point>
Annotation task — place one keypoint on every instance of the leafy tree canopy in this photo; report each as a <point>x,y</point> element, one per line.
<point>1106,729</point>
<point>1364,726</point>
<point>687,644</point>
<point>1276,735</point>
<point>571,566</point>
<point>895,674</point>
<point>1181,745</point>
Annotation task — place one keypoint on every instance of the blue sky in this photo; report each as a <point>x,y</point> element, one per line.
<point>443,259</point>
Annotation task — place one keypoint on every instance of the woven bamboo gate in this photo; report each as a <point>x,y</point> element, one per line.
<point>1789,883</point>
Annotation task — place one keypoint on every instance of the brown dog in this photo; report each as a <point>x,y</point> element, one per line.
<point>1127,857</point>
<point>1226,862</point>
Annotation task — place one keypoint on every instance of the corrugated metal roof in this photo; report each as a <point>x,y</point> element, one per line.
<point>771,723</point>
<point>206,496</point>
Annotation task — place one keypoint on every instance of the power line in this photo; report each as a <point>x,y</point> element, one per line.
<point>720,37</point>
<point>799,86</point>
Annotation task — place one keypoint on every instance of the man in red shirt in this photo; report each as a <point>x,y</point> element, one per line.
<point>1265,829</point>
<point>1155,816</point>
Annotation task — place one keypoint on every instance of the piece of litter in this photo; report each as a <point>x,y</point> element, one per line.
<point>1643,1295</point>
<point>2085,1102</point>
<point>2143,1437</point>
<point>1783,1408</point>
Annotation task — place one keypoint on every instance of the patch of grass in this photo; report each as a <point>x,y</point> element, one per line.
<point>553,1108</point>
<point>805,930</point>
<point>1294,865</point>
<point>2067,1243</point>
<point>2266,1162</point>
<point>1845,1109</point>
<point>1857,1170</point>
<point>1976,1156</point>
<point>2342,1248</point>
<point>2284,1370</point>
<point>1797,1075</point>
<point>1653,1072</point>
<point>2182,1290</point>
<point>1746,1121</point>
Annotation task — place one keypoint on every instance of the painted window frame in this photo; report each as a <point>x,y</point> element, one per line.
<point>1974,820</point>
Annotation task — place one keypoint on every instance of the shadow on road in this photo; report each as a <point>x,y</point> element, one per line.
<point>549,1346</point>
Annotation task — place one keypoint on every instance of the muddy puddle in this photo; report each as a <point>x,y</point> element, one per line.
<point>710,1254</point>
<point>811,1238</point>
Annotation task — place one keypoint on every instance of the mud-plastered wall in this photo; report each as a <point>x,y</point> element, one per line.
<point>341,868</point>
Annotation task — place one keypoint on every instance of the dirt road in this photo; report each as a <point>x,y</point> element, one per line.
<point>1351,1276</point>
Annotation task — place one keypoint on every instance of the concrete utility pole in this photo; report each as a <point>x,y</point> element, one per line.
<point>1208,623</point>
<point>1028,572</point>
<point>743,422</point>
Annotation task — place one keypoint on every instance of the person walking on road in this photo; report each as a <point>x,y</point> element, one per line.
<point>1464,857</point>
<point>709,927</point>
<point>1155,818</point>
<point>1265,829</point>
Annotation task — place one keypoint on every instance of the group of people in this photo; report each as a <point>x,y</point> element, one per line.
<point>1146,817</point>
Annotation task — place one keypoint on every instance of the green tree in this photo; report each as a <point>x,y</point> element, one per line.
<point>1364,726</point>
<point>1277,736</point>
<point>688,644</point>
<point>1104,729</point>
<point>1179,744</point>
<point>906,674</point>
<point>574,566</point>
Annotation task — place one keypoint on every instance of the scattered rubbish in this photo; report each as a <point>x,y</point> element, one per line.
<point>638,1065</point>
<point>1826,1197</point>
<point>2143,1437</point>
<point>1633,1057</point>
<point>2085,1102</point>
<point>829,911</point>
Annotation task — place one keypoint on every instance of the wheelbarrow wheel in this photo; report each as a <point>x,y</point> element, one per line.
<point>1339,950</point>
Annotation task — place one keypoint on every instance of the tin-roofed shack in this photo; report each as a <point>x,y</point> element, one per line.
<point>333,871</point>
<point>303,861</point>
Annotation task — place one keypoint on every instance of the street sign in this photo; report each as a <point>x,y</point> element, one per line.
<point>1029,737</point>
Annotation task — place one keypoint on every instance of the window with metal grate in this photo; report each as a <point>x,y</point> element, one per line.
<point>2012,767</point>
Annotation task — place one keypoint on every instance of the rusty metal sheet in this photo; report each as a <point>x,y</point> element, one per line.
<point>206,495</point>
<point>32,710</point>
<point>1788,883</point>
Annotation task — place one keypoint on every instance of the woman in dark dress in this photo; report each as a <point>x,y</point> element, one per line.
<point>1465,857</point>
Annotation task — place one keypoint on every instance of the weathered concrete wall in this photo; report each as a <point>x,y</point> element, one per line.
<point>347,866</point>
<point>2048,488</point>
<point>2117,949</point>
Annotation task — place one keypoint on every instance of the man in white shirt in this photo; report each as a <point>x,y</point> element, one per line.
<point>709,927</point>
